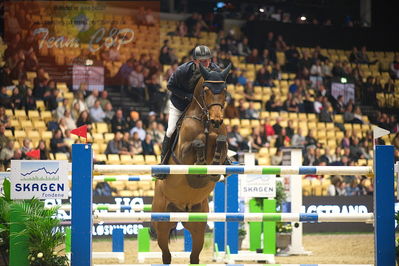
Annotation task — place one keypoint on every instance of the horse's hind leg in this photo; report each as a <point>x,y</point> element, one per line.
<point>163,232</point>
<point>197,231</point>
<point>199,147</point>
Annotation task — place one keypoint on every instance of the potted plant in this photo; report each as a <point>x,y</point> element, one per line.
<point>283,238</point>
<point>41,229</point>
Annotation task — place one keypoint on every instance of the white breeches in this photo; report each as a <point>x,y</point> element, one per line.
<point>174,115</point>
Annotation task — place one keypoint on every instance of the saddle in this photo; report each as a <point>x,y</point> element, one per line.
<point>173,140</point>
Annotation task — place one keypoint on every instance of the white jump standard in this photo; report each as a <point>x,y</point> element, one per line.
<point>82,203</point>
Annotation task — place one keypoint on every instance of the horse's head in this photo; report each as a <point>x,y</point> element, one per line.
<point>214,93</point>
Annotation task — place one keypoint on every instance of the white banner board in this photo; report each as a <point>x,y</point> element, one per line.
<point>39,179</point>
<point>258,186</point>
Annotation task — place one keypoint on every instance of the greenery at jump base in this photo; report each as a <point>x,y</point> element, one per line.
<point>39,230</point>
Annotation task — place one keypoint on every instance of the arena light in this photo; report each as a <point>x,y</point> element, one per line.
<point>343,80</point>
<point>303,18</point>
<point>261,10</point>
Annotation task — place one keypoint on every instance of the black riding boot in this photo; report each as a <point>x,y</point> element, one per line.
<point>165,148</point>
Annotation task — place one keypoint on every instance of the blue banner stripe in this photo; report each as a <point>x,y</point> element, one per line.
<point>160,169</point>
<point>237,217</point>
<point>126,208</point>
<point>133,178</point>
<point>307,170</point>
<point>160,217</point>
<point>235,170</point>
<point>308,217</point>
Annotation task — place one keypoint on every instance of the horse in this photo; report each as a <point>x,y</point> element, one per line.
<point>202,140</point>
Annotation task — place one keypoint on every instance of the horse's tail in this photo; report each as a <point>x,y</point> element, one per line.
<point>173,233</point>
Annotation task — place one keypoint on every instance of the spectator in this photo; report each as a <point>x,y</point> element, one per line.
<point>26,147</point>
<point>5,99</point>
<point>316,74</point>
<point>148,145</point>
<point>363,58</point>
<point>60,111</point>
<point>136,82</point>
<point>3,138</point>
<point>92,98</point>
<point>84,119</point>
<point>16,99</point>
<point>139,129</point>
<point>298,140</point>
<point>354,56</point>
<point>277,127</point>
<point>326,114</point>
<point>75,111</point>
<point>164,56</point>
<point>262,76</point>
<point>235,140</point>
<point>355,150</point>
<point>97,114</point>
<point>394,67</point>
<point>104,99</point>
<point>251,112</point>
<point>258,140</point>
<point>243,48</point>
<point>310,139</point>
<point>295,86</point>
<point>19,71</point>
<point>292,59</point>
<point>273,105</point>
<point>318,106</point>
<point>289,129</point>
<point>57,143</point>
<point>253,58</point>
<point>310,155</point>
<point>51,99</point>
<point>5,78</point>
<point>114,146</point>
<point>44,152</point>
<point>337,187</point>
<point>79,99</point>
<point>282,139</point>
<point>109,113</point>
<point>156,134</point>
<point>69,122</point>
<point>137,147</point>
<point>281,46</point>
<point>268,129</point>
<point>7,153</point>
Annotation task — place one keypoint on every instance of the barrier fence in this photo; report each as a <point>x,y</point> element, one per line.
<point>82,169</point>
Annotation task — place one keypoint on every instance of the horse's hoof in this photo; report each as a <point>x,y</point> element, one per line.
<point>160,176</point>
<point>198,144</point>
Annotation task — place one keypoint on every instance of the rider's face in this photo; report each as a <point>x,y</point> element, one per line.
<point>205,62</point>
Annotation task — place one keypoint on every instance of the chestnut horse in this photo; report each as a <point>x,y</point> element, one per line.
<point>201,140</point>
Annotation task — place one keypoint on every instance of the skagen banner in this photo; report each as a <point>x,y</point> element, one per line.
<point>350,204</point>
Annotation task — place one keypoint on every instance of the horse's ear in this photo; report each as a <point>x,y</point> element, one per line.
<point>204,72</point>
<point>226,71</point>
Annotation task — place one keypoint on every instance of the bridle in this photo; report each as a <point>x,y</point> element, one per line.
<point>205,107</point>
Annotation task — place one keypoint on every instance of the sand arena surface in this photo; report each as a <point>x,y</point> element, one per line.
<point>331,249</point>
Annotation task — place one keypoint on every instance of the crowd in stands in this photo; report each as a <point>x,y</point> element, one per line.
<point>142,134</point>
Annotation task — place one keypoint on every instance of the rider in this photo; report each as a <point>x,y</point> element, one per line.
<point>182,84</point>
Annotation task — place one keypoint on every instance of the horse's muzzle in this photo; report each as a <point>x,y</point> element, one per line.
<point>216,123</point>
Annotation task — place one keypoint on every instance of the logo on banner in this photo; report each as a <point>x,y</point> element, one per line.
<point>39,179</point>
<point>259,186</point>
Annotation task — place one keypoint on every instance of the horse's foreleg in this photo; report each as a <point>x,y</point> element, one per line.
<point>199,148</point>
<point>218,157</point>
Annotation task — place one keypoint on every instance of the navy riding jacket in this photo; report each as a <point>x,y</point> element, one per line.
<point>178,84</point>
